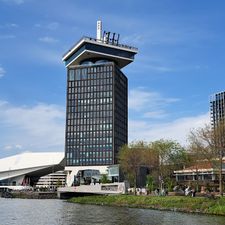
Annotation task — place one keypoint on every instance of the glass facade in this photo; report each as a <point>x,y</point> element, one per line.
<point>217,110</point>
<point>96,123</point>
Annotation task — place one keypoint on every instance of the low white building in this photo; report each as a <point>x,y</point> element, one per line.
<point>52,180</point>
<point>112,172</point>
<point>26,168</point>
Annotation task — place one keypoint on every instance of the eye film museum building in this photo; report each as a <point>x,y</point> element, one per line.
<point>97,102</point>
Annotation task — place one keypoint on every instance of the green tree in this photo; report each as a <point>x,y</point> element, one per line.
<point>150,157</point>
<point>131,159</point>
<point>104,179</point>
<point>150,183</point>
<point>169,183</point>
<point>161,157</point>
<point>171,156</point>
<point>207,143</point>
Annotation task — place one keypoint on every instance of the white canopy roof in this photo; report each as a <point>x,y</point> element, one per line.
<point>30,160</point>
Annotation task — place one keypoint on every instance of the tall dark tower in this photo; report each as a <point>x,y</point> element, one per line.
<point>97,99</point>
<point>217,114</point>
<point>217,108</point>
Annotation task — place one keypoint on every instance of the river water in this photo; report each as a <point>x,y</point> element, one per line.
<point>58,212</point>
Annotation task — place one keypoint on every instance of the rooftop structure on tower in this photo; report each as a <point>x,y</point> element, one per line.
<point>104,46</point>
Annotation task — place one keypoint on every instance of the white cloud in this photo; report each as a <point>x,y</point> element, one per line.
<point>44,55</point>
<point>134,39</point>
<point>159,68</point>
<point>9,25</point>
<point>18,146</point>
<point>49,26</point>
<point>157,62</point>
<point>39,127</point>
<point>163,31</point>
<point>7,147</point>
<point>176,130</point>
<point>17,2</point>
<point>3,103</point>
<point>52,26</point>
<point>7,36</point>
<point>12,147</point>
<point>37,25</point>
<point>140,99</point>
<point>48,40</point>
<point>2,73</point>
<point>155,114</point>
<point>13,25</point>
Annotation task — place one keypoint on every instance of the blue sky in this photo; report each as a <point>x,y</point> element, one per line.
<point>180,63</point>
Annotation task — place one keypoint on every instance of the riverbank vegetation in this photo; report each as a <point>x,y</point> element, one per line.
<point>172,203</point>
<point>152,164</point>
<point>159,159</point>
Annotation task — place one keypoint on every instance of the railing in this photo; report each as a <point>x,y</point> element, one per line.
<point>101,41</point>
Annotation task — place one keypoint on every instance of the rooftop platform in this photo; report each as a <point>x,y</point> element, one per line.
<point>88,48</point>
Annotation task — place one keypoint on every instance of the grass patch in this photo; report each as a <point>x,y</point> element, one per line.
<point>176,203</point>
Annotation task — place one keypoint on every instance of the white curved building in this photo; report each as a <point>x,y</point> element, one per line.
<point>27,168</point>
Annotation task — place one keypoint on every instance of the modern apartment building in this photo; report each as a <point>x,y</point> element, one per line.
<point>217,114</point>
<point>217,108</point>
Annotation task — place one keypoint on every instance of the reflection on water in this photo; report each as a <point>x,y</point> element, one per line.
<point>58,212</point>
